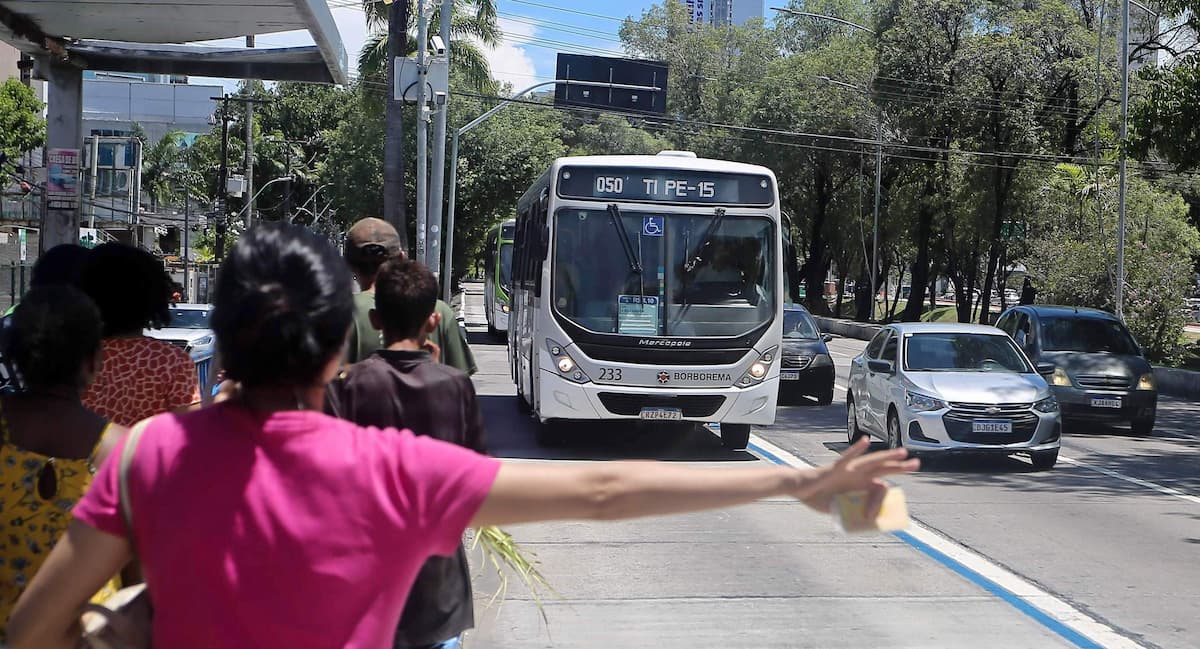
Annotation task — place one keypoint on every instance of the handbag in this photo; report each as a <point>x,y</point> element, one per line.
<point>123,621</point>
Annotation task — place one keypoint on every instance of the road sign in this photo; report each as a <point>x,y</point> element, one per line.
<point>603,69</point>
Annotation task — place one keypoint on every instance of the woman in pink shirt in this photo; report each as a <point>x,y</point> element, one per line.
<point>261,522</point>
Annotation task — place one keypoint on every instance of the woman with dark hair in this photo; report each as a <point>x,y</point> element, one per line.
<point>61,264</point>
<point>49,443</point>
<point>141,376</point>
<point>261,522</point>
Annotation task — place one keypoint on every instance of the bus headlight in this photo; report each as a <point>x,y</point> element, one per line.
<point>504,308</point>
<point>758,369</point>
<point>566,366</point>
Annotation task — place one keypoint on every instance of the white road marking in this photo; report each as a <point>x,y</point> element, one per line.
<point>1167,491</point>
<point>1049,604</point>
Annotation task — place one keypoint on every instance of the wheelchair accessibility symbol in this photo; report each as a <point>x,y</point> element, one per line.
<point>652,226</point>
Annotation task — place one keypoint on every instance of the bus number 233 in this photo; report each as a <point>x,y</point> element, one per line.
<point>610,374</point>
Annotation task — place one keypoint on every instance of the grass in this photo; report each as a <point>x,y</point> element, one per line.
<point>507,558</point>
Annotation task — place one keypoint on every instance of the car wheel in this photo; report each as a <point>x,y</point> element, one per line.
<point>894,440</point>
<point>735,437</point>
<point>825,397</point>
<point>1044,460</point>
<point>853,432</point>
<point>1142,426</point>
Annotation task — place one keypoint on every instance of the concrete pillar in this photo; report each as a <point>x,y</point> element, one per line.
<point>64,130</point>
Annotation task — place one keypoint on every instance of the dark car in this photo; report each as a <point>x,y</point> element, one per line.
<point>806,368</point>
<point>1099,371</point>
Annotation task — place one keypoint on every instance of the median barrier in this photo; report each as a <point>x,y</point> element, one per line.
<point>847,328</point>
<point>1171,381</point>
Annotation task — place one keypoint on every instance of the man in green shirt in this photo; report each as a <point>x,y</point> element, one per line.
<point>369,243</point>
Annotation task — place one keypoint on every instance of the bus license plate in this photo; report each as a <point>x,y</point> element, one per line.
<point>1099,402</point>
<point>991,426</point>
<point>789,376</point>
<point>662,413</point>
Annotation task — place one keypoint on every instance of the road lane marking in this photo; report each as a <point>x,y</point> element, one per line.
<point>1050,611</point>
<point>1167,491</point>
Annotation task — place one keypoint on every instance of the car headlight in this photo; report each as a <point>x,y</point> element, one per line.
<point>822,360</point>
<point>202,342</point>
<point>1049,404</point>
<point>758,369</point>
<point>566,366</point>
<point>918,402</point>
<point>1146,382</point>
<point>1059,377</point>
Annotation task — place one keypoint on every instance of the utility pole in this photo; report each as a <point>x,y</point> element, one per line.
<point>422,129</point>
<point>1120,288</point>
<point>249,162</point>
<point>287,196</point>
<point>187,231</point>
<point>442,105</point>
<point>875,228</point>
<point>222,225</point>
<point>395,191</point>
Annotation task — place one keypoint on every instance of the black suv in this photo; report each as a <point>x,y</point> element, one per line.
<point>1099,372</point>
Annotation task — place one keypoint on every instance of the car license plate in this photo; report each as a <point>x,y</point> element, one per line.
<point>789,376</point>
<point>662,413</point>
<point>991,426</point>
<point>1100,402</point>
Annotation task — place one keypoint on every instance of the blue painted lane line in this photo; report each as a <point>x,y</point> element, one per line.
<point>1037,615</point>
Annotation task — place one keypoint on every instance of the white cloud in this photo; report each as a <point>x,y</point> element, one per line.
<point>509,61</point>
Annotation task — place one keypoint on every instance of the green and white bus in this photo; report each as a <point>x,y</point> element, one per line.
<point>497,276</point>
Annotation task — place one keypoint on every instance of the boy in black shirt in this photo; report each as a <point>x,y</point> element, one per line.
<point>402,386</point>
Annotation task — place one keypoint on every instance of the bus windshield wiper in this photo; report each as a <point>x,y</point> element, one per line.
<point>694,258</point>
<point>614,214</point>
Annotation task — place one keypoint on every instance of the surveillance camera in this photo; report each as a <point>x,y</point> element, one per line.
<point>439,46</point>
<point>439,98</point>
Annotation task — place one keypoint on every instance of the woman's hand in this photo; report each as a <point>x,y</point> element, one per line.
<point>228,390</point>
<point>856,471</point>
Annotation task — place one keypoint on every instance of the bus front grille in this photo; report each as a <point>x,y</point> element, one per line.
<point>655,356</point>
<point>691,405</point>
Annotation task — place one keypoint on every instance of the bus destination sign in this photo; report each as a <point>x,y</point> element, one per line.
<point>665,186</point>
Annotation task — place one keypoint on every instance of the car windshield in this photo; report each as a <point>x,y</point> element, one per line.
<point>799,325</point>
<point>962,352</point>
<point>1091,335</point>
<point>190,318</point>
<point>506,258</point>
<point>665,277</point>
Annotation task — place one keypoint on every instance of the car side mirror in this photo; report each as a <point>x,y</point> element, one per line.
<point>1045,368</point>
<point>826,337</point>
<point>880,366</point>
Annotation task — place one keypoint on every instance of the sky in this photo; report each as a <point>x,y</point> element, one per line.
<point>534,31</point>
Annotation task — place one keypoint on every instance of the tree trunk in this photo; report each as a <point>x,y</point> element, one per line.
<point>920,267</point>
<point>394,191</point>
<point>815,268</point>
<point>1001,184</point>
<point>899,291</point>
<point>841,290</point>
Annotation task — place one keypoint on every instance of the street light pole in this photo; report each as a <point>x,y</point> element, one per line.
<point>1120,288</point>
<point>878,185</point>
<point>466,128</point>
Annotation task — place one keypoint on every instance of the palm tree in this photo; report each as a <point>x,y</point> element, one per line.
<point>473,24</point>
<point>159,164</point>
<point>375,61</point>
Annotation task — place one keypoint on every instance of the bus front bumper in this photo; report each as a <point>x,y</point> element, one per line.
<point>563,399</point>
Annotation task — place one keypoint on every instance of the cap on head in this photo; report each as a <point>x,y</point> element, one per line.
<point>372,240</point>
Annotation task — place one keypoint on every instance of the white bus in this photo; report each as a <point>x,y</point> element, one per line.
<point>648,287</point>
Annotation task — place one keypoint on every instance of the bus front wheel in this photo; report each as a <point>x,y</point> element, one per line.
<point>735,437</point>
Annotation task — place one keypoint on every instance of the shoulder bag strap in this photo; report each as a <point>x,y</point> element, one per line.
<point>126,459</point>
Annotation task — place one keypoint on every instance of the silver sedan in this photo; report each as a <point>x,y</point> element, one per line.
<point>951,388</point>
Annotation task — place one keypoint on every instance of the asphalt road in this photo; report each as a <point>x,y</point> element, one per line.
<point>1101,551</point>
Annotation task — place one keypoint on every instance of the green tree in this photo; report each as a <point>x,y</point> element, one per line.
<point>161,163</point>
<point>22,128</point>
<point>610,134</point>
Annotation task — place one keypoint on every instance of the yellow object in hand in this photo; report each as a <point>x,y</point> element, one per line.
<point>850,512</point>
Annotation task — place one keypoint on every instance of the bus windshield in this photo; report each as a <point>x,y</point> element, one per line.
<point>505,270</point>
<point>702,274</point>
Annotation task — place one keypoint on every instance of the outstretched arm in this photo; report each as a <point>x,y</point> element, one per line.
<point>528,492</point>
